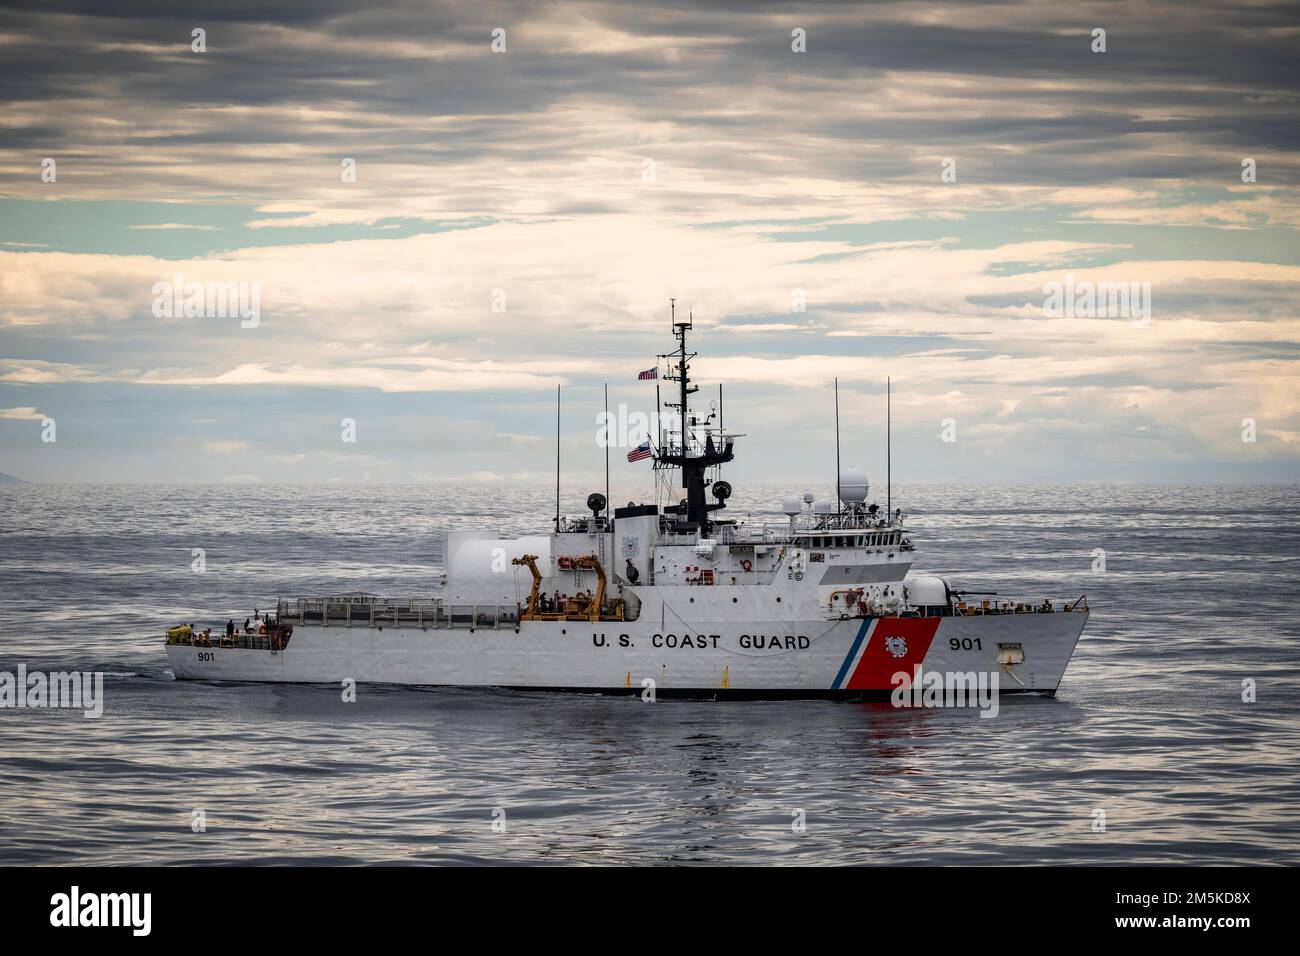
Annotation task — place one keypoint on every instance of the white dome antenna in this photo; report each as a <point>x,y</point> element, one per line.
<point>854,486</point>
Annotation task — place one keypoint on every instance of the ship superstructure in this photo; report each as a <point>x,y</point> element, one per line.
<point>679,597</point>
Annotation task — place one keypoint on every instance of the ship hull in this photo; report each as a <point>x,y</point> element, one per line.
<point>813,658</point>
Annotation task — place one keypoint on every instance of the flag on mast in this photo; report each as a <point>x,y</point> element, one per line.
<point>640,451</point>
<point>648,374</point>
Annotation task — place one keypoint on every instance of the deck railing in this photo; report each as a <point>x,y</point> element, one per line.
<point>780,534</point>
<point>240,639</point>
<point>394,612</point>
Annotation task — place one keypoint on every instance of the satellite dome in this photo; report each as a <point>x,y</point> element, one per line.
<point>823,508</point>
<point>791,505</point>
<point>808,497</point>
<point>853,486</point>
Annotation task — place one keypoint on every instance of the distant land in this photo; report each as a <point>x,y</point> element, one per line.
<point>11,480</point>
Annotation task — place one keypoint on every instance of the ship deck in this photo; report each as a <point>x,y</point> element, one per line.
<point>434,613</point>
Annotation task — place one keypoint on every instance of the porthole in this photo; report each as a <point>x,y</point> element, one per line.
<point>778,600</point>
<point>733,600</point>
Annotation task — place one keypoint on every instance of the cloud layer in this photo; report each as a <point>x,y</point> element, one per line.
<point>520,219</point>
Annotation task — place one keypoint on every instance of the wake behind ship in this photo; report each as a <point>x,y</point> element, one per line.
<point>675,597</point>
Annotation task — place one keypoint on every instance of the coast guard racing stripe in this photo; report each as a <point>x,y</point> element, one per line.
<point>882,648</point>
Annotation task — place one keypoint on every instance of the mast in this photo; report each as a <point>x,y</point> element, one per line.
<point>557,459</point>
<point>683,373</point>
<point>607,455</point>
<point>693,466</point>
<point>659,408</point>
<point>889,445</point>
<point>684,376</point>
<point>659,404</point>
<point>839,506</point>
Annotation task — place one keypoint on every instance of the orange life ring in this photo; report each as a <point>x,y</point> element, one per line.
<point>746,564</point>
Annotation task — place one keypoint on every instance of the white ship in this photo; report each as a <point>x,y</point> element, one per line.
<point>676,598</point>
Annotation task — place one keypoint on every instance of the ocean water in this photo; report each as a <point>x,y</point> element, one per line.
<point>1199,594</point>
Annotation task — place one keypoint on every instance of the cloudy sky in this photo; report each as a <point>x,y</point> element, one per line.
<point>917,177</point>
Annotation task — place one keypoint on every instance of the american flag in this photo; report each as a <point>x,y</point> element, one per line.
<point>648,373</point>
<point>640,451</point>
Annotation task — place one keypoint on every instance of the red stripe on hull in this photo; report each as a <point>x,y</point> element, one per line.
<point>882,658</point>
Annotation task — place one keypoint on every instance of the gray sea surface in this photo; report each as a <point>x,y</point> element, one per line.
<point>1199,594</point>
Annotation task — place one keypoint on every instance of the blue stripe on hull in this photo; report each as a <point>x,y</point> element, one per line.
<point>853,652</point>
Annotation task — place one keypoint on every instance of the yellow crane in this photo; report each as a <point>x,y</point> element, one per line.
<point>577,609</point>
<point>529,561</point>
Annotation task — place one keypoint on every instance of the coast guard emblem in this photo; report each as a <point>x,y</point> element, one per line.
<point>896,646</point>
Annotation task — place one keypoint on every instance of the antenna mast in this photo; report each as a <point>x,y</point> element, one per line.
<point>889,445</point>
<point>839,506</point>
<point>607,455</point>
<point>719,411</point>
<point>695,510</point>
<point>682,377</point>
<point>659,408</point>
<point>557,459</point>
